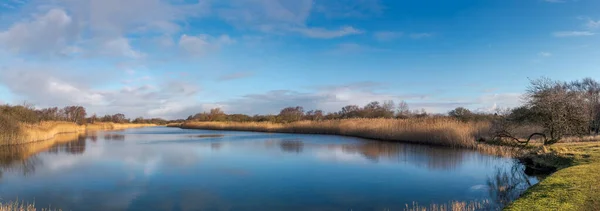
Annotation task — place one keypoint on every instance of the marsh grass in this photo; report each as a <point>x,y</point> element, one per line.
<point>24,133</point>
<point>452,206</point>
<point>431,131</point>
<point>21,206</point>
<point>436,131</point>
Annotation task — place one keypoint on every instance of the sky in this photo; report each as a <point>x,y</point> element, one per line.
<point>174,58</point>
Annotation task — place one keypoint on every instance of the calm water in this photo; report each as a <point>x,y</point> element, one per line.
<point>173,169</point>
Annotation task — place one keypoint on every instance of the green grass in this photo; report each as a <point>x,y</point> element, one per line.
<point>576,184</point>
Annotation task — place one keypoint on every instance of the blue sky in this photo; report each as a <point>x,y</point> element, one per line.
<point>160,58</point>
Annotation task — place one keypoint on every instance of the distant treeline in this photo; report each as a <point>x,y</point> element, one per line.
<point>375,109</point>
<point>11,115</point>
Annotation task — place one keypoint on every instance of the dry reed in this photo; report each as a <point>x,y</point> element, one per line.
<point>452,206</point>
<point>20,206</point>
<point>434,131</point>
<point>29,133</point>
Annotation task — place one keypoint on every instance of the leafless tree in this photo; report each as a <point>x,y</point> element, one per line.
<point>556,106</point>
<point>291,114</point>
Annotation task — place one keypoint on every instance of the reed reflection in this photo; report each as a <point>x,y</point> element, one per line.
<point>436,158</point>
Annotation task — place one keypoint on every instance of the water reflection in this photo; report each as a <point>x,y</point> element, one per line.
<point>291,145</point>
<point>431,157</point>
<point>114,137</point>
<point>193,169</point>
<point>506,185</point>
<point>23,158</point>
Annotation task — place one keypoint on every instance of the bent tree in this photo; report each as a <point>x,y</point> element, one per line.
<point>559,108</point>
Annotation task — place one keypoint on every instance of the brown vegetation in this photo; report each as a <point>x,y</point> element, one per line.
<point>24,124</point>
<point>28,133</point>
<point>438,131</point>
<point>452,206</point>
<point>19,206</point>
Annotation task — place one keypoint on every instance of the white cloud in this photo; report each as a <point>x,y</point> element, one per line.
<point>573,33</point>
<point>47,87</point>
<point>202,44</point>
<point>591,24</point>
<point>545,54</point>
<point>116,18</point>
<point>120,47</point>
<point>326,33</point>
<point>50,33</point>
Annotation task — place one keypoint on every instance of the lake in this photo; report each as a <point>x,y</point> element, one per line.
<point>160,168</point>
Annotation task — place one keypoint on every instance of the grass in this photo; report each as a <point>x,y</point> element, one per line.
<point>576,184</point>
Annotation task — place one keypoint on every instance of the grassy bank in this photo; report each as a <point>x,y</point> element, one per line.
<point>35,132</point>
<point>576,184</point>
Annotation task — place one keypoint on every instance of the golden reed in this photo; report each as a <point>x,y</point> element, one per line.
<point>432,131</point>
<point>29,133</point>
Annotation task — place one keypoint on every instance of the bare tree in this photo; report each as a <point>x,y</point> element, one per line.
<point>461,113</point>
<point>557,107</point>
<point>403,110</point>
<point>216,114</point>
<point>291,114</point>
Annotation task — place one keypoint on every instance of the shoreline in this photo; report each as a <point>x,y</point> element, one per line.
<point>44,131</point>
<point>441,136</point>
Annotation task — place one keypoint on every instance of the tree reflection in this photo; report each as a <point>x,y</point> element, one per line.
<point>76,146</point>
<point>506,185</point>
<point>114,137</point>
<point>439,158</point>
<point>215,146</point>
<point>13,159</point>
<point>291,145</point>
<point>24,158</point>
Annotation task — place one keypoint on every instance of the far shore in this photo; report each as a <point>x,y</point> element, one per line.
<point>445,132</point>
<point>44,131</point>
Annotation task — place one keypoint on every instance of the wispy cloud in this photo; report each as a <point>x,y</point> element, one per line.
<point>201,44</point>
<point>327,33</point>
<point>420,35</point>
<point>545,54</point>
<point>573,33</point>
<point>353,48</point>
<point>384,36</point>
<point>592,24</point>
<point>236,75</point>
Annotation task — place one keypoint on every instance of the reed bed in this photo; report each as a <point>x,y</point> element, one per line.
<point>433,131</point>
<point>21,206</point>
<point>29,133</point>
<point>452,206</point>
